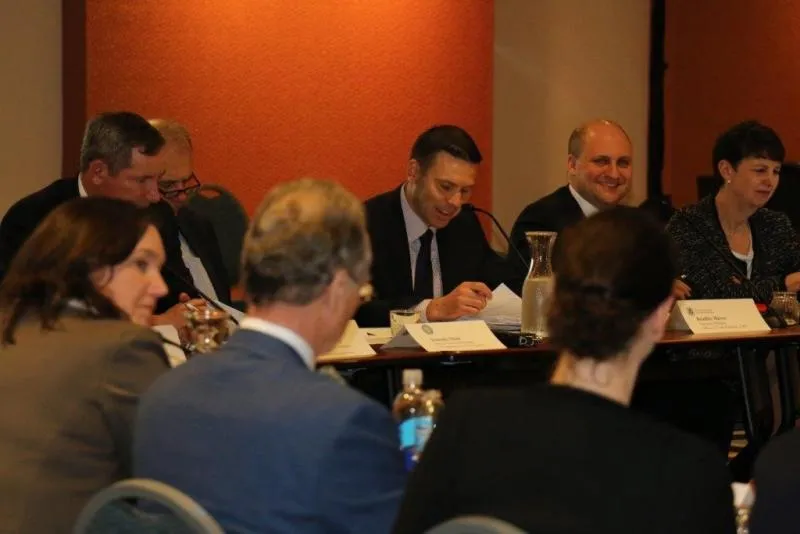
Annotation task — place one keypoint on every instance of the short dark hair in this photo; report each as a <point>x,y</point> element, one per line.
<point>111,137</point>
<point>614,269</point>
<point>54,264</point>
<point>444,138</point>
<point>749,139</point>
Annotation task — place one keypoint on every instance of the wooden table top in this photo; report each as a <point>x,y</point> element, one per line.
<point>671,339</point>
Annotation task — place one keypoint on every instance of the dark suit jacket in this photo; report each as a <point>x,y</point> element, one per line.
<point>67,404</point>
<point>276,448</point>
<point>464,256</point>
<point>23,217</point>
<point>776,253</point>
<point>777,480</point>
<point>555,460</point>
<point>202,239</point>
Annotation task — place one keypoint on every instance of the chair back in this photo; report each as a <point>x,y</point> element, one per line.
<point>475,524</point>
<point>229,219</point>
<point>110,511</point>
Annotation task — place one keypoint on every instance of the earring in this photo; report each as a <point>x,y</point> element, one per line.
<point>727,181</point>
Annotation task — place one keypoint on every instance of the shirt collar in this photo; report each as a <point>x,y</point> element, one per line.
<point>81,190</point>
<point>288,336</point>
<point>415,226</point>
<point>587,207</point>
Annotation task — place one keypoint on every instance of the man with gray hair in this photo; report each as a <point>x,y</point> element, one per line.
<point>252,433</point>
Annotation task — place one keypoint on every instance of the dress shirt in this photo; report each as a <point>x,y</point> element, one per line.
<point>587,207</point>
<point>81,190</point>
<point>287,335</point>
<point>198,271</point>
<point>415,227</point>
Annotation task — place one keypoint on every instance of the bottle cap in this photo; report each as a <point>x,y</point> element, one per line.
<point>412,377</point>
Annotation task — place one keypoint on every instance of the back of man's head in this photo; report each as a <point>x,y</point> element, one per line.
<point>111,137</point>
<point>303,234</point>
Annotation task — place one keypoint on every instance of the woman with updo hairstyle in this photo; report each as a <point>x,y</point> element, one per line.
<point>570,455</point>
<point>76,352</point>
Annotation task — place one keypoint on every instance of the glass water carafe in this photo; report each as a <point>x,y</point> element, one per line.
<point>538,284</point>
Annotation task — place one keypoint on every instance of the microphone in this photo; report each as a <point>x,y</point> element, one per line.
<point>205,297</point>
<point>732,264</point>
<point>511,246</point>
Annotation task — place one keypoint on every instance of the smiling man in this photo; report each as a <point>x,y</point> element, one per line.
<point>599,171</point>
<point>429,253</point>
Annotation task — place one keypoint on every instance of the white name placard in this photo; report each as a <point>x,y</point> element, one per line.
<point>722,316</point>
<point>352,344</point>
<point>460,336</point>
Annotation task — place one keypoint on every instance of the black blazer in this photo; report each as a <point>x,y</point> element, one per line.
<point>776,253</point>
<point>25,215</point>
<point>555,460</point>
<point>202,239</point>
<point>464,255</point>
<point>777,480</point>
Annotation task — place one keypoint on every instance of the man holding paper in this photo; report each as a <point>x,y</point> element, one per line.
<point>428,253</point>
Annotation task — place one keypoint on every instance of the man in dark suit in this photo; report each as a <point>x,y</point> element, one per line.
<point>428,252</point>
<point>120,158</point>
<point>599,173</point>
<point>252,433</point>
<point>198,241</point>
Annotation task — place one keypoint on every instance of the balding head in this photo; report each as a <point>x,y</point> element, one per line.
<point>600,162</point>
<point>179,179</point>
<point>302,235</point>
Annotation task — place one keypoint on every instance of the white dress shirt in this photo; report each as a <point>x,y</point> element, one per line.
<point>288,336</point>
<point>587,207</point>
<point>81,190</point>
<point>415,227</point>
<point>198,271</point>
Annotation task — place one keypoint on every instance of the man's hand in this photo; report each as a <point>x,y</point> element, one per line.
<point>792,282</point>
<point>176,315</point>
<point>680,290</point>
<point>467,299</point>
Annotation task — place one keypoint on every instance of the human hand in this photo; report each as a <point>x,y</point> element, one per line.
<point>467,299</point>
<point>681,290</point>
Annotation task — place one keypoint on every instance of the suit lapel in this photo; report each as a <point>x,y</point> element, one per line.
<point>201,244</point>
<point>396,246</point>
<point>570,211</point>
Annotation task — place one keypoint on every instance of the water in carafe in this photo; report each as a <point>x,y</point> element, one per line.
<point>538,284</point>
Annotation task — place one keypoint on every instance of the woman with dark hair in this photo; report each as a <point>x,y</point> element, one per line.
<point>570,456</point>
<point>729,245</point>
<point>76,354</point>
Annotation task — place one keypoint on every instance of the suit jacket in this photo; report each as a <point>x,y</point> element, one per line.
<point>555,460</point>
<point>24,216</point>
<point>777,480</point>
<point>276,448</point>
<point>67,405</point>
<point>776,253</point>
<point>464,255</point>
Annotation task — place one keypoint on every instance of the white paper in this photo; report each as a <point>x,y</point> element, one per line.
<point>459,336</point>
<point>175,355</point>
<point>352,344</point>
<point>377,336</point>
<point>503,311</point>
<point>720,316</point>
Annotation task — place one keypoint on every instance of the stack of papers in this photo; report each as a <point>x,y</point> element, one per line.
<point>503,312</point>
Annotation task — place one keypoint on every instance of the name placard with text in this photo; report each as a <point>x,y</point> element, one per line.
<point>719,316</point>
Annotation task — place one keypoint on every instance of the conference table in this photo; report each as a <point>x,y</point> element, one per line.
<point>541,356</point>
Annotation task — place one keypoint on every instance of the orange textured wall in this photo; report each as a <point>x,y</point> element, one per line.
<point>274,90</point>
<point>728,61</point>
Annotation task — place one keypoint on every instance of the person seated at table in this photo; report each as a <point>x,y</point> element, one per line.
<point>570,456</point>
<point>777,486</point>
<point>428,252</point>
<point>77,352</point>
<point>729,244</point>
<point>283,449</point>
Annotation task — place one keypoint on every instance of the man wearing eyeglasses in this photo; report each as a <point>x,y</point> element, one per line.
<point>199,247</point>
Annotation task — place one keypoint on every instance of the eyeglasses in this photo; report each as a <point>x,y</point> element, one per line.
<point>171,189</point>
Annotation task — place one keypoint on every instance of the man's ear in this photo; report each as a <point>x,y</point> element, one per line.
<point>97,171</point>
<point>413,171</point>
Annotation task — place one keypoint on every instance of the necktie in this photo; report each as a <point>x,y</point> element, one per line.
<point>423,270</point>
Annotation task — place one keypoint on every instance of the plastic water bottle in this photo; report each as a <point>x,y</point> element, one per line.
<point>416,412</point>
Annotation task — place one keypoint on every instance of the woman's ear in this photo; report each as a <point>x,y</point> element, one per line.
<point>101,277</point>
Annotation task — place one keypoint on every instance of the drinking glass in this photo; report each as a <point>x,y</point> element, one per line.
<point>785,303</point>
<point>399,318</point>
<point>209,329</point>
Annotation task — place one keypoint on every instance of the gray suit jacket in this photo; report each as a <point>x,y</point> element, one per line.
<point>67,403</point>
